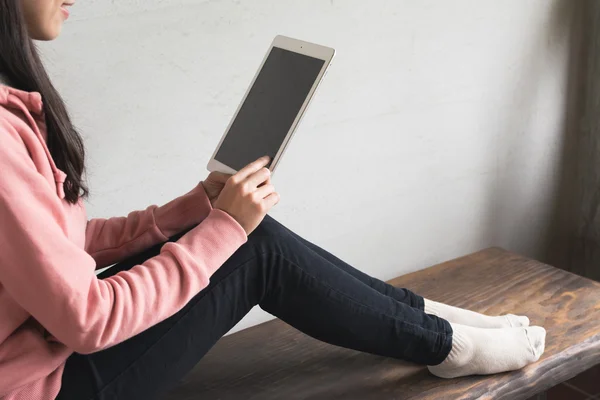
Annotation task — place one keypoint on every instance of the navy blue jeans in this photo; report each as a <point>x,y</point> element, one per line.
<point>286,276</point>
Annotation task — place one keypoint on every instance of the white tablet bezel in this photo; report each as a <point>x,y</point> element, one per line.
<point>298,46</point>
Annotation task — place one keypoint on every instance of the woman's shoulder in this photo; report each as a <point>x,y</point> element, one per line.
<point>11,128</point>
<point>14,132</point>
<point>19,110</point>
<point>18,139</point>
<point>23,151</point>
<point>17,106</point>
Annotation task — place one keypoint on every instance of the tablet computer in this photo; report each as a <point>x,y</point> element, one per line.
<point>273,105</point>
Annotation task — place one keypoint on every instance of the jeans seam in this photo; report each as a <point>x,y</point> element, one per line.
<point>419,299</point>
<point>353,300</point>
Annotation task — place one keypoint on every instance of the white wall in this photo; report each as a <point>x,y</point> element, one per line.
<point>436,132</point>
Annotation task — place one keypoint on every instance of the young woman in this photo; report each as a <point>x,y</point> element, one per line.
<point>186,271</point>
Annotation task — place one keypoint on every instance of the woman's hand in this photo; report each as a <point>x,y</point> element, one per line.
<point>214,184</point>
<point>249,195</point>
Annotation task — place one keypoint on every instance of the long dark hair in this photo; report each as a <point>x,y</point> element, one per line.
<point>20,62</point>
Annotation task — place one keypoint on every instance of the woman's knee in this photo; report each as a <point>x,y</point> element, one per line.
<point>268,228</point>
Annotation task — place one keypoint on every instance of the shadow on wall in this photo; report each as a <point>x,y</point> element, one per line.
<point>572,237</point>
<point>515,199</point>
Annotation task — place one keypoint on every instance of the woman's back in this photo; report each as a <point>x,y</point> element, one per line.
<point>31,364</point>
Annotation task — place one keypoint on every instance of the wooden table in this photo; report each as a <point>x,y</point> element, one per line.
<point>274,361</point>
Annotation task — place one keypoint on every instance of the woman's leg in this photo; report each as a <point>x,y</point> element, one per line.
<point>474,351</point>
<point>449,313</point>
<point>276,272</point>
<point>288,281</point>
<point>399,294</point>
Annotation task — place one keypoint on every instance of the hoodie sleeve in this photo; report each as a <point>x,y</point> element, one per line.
<point>54,280</point>
<point>112,240</point>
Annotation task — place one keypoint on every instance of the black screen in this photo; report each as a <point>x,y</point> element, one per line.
<point>270,107</point>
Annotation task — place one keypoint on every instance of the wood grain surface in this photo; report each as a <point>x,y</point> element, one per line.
<point>274,361</point>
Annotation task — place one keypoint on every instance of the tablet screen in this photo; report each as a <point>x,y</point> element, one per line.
<point>270,108</point>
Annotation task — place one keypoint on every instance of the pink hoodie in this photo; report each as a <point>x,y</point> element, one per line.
<point>49,252</point>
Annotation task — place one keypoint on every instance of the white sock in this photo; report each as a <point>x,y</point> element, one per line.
<point>471,318</point>
<point>478,351</point>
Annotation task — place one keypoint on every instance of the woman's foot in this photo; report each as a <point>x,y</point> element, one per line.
<point>477,351</point>
<point>471,318</point>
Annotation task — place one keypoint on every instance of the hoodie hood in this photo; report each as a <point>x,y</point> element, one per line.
<point>30,105</point>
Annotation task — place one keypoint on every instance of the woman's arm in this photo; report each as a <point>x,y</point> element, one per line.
<point>111,240</point>
<point>54,280</point>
